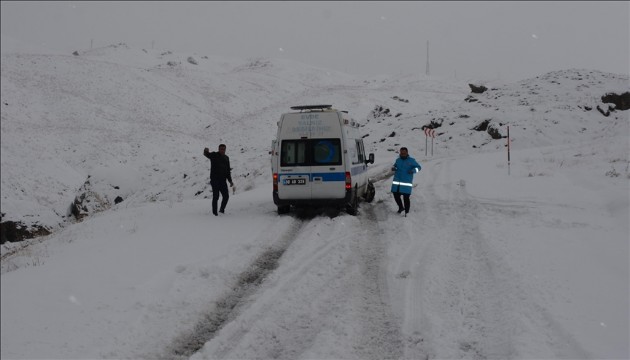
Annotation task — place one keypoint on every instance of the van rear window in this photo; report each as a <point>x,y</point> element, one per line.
<point>310,152</point>
<point>326,151</point>
<point>293,153</point>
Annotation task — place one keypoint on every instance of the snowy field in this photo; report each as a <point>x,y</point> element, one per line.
<point>526,261</point>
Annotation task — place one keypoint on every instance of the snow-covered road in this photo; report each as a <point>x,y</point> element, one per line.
<point>436,284</point>
<point>461,298</point>
<point>327,297</point>
<point>463,276</point>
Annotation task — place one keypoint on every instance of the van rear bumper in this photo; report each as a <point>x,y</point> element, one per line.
<point>312,202</point>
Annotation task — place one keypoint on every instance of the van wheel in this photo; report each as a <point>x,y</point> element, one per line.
<point>353,206</point>
<point>284,209</point>
<point>370,192</point>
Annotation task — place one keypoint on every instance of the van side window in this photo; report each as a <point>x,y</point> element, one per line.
<point>326,151</point>
<point>362,151</point>
<point>353,152</point>
<point>293,153</point>
<point>360,158</point>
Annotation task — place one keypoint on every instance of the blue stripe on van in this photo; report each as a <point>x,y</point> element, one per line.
<point>337,176</point>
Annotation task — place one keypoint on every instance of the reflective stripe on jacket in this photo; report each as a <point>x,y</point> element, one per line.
<point>403,180</point>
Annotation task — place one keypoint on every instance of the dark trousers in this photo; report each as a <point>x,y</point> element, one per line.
<point>400,203</point>
<point>219,186</point>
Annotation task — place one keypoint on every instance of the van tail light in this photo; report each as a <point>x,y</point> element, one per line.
<point>348,181</point>
<point>275,182</point>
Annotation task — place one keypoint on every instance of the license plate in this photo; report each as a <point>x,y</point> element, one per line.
<point>294,182</point>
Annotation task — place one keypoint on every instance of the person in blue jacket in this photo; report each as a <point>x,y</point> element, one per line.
<point>404,168</point>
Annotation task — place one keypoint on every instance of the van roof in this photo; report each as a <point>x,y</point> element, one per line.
<point>312,107</point>
<point>347,120</point>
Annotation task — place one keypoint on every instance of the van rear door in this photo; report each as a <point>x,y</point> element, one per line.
<point>327,169</point>
<point>294,171</point>
<point>294,180</point>
<point>326,149</point>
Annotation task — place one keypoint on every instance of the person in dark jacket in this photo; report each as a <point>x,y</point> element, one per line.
<point>220,172</point>
<point>404,168</point>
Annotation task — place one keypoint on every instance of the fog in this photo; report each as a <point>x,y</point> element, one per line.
<point>466,40</point>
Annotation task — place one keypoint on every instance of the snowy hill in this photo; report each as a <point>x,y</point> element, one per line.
<point>525,262</point>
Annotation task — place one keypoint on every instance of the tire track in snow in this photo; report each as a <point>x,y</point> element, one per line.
<point>475,291</point>
<point>462,300</point>
<point>327,299</point>
<point>299,325</point>
<point>452,300</point>
<point>227,307</point>
<point>381,338</point>
<point>412,267</point>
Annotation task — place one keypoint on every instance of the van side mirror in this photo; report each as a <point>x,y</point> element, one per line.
<point>370,159</point>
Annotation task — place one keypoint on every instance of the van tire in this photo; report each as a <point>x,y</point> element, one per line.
<point>283,209</point>
<point>353,206</point>
<point>370,192</point>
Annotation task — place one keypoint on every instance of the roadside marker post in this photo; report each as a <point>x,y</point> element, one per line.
<point>426,143</point>
<point>428,133</point>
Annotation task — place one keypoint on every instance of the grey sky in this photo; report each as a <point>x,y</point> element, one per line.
<point>468,40</point>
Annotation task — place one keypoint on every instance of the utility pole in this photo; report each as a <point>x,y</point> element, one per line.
<point>508,147</point>
<point>427,72</point>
